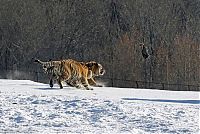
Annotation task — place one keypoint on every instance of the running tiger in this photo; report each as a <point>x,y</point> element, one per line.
<point>73,72</point>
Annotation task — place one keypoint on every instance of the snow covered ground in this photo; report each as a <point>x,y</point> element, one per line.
<point>30,107</point>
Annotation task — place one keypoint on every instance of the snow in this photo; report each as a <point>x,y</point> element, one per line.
<point>31,107</point>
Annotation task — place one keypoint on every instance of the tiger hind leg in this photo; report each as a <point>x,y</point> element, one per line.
<point>77,84</point>
<point>51,83</point>
<point>59,83</point>
<point>69,83</point>
<point>73,83</point>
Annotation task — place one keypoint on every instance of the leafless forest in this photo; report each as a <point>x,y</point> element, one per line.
<point>107,31</point>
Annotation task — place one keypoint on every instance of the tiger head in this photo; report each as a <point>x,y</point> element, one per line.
<point>96,68</point>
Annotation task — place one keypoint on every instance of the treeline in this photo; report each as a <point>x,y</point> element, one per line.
<point>107,31</point>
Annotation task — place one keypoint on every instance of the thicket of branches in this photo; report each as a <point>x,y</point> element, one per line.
<point>107,31</point>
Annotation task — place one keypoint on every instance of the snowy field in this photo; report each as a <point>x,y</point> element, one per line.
<point>30,107</point>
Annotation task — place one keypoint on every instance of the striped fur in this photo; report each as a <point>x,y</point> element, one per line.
<point>52,68</point>
<point>70,71</point>
<point>74,73</point>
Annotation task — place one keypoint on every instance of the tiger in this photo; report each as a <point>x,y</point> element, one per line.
<point>92,68</point>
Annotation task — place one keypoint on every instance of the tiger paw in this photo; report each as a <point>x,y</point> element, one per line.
<point>51,85</point>
<point>89,88</point>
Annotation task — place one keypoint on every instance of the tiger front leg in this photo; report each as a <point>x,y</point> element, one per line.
<point>74,83</point>
<point>84,81</point>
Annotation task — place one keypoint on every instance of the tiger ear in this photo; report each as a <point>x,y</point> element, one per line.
<point>89,64</point>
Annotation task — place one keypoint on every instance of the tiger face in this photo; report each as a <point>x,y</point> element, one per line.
<point>96,68</point>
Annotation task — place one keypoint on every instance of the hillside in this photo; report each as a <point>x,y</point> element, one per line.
<point>30,107</point>
<point>106,31</point>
